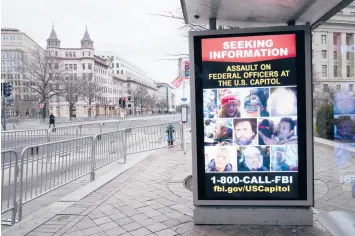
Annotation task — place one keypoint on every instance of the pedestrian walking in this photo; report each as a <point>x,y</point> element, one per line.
<point>51,120</point>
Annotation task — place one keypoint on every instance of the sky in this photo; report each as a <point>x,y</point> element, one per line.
<point>123,26</point>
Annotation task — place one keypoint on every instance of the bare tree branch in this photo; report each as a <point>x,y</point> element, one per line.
<point>42,73</point>
<point>92,89</point>
<point>72,90</point>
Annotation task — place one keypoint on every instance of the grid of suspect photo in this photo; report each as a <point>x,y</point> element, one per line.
<point>258,127</point>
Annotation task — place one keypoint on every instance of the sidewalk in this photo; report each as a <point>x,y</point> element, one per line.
<point>150,199</point>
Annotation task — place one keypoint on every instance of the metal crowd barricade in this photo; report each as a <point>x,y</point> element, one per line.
<point>9,174</point>
<point>55,164</point>
<point>91,128</point>
<point>108,148</point>
<point>147,138</point>
<point>44,167</point>
<point>22,138</point>
<point>109,126</point>
<point>65,132</point>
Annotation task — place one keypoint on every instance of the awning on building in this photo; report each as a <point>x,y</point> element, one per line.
<point>258,13</point>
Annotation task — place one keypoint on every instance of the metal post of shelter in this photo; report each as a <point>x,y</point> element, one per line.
<point>212,23</point>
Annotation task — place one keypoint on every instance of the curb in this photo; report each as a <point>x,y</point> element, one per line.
<point>345,146</point>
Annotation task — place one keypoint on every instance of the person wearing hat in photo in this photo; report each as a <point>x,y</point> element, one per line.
<point>285,133</point>
<point>279,162</point>
<point>210,105</point>
<point>253,106</point>
<point>223,132</point>
<point>252,160</point>
<point>230,106</point>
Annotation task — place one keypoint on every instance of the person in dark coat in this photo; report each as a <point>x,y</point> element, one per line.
<point>51,120</point>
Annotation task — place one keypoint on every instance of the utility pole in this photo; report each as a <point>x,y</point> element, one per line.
<point>3,113</point>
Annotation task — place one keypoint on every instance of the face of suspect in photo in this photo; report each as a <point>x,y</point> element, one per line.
<point>244,133</point>
<point>285,128</point>
<point>222,129</point>
<point>222,159</point>
<point>210,95</point>
<point>280,157</point>
<point>253,158</point>
<point>230,106</point>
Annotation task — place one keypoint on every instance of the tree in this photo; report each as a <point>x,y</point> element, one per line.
<point>104,101</point>
<point>43,74</point>
<point>162,105</point>
<point>325,121</point>
<point>72,91</point>
<point>140,97</point>
<point>92,89</point>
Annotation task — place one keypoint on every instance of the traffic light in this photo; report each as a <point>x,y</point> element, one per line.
<point>7,89</point>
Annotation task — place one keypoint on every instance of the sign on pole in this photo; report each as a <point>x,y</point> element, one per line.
<point>252,117</point>
<point>184,113</point>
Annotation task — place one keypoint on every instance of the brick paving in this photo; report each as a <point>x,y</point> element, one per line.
<point>150,199</point>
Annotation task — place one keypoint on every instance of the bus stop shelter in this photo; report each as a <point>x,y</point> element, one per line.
<point>259,13</point>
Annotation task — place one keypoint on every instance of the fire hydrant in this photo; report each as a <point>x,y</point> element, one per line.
<point>170,130</point>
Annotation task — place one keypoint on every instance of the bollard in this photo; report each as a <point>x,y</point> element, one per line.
<point>170,130</point>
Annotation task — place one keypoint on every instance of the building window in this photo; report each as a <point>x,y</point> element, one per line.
<point>113,65</point>
<point>66,66</point>
<point>325,88</point>
<point>89,66</point>
<point>117,65</point>
<point>66,54</point>
<point>324,54</point>
<point>335,71</point>
<point>121,71</point>
<point>324,39</point>
<point>89,45</point>
<point>75,68</point>
<point>74,54</point>
<point>56,66</point>
<point>335,55</point>
<point>70,54</point>
<point>89,53</point>
<point>347,71</point>
<point>56,53</point>
<point>70,66</point>
<point>338,87</point>
<point>351,87</point>
<point>56,43</point>
<point>83,66</point>
<point>347,40</point>
<point>348,56</point>
<point>324,70</point>
<point>335,39</point>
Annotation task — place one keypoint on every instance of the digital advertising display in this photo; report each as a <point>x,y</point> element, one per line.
<point>250,116</point>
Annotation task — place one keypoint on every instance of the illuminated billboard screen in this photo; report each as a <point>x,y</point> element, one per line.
<point>250,116</point>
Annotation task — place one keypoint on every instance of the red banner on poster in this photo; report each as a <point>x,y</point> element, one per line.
<point>249,49</point>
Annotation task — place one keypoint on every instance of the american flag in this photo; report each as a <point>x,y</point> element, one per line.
<point>177,82</point>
